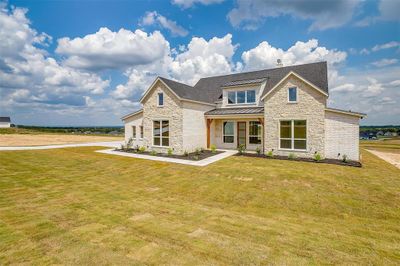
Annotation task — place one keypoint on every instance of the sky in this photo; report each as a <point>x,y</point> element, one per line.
<point>87,63</point>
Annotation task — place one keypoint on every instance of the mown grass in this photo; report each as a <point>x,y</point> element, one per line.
<point>391,145</point>
<point>75,206</point>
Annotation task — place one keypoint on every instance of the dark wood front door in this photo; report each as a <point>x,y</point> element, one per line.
<point>241,133</point>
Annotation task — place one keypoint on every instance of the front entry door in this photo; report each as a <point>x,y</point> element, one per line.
<point>241,133</point>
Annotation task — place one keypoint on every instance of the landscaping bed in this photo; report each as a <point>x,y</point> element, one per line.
<point>192,156</point>
<point>311,160</point>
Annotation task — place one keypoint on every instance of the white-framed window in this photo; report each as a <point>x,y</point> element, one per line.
<point>292,95</point>
<point>293,135</point>
<point>228,132</point>
<point>160,99</point>
<point>242,97</point>
<point>161,133</point>
<point>134,132</point>
<point>255,131</point>
<point>141,131</point>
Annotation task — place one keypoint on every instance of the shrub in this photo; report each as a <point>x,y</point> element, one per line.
<point>241,149</point>
<point>153,152</point>
<point>317,157</point>
<point>213,148</point>
<point>202,149</point>
<point>270,153</point>
<point>196,157</point>
<point>186,154</point>
<point>344,158</point>
<point>142,149</point>
<point>291,156</point>
<point>122,147</point>
<point>258,150</point>
<point>197,151</point>
<point>169,151</point>
<point>129,143</point>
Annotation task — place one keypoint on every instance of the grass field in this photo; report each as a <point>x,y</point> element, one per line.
<point>387,145</point>
<point>75,206</point>
<point>29,137</point>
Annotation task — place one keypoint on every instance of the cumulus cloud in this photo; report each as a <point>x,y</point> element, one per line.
<point>106,49</point>
<point>385,62</point>
<point>28,75</point>
<point>190,3</point>
<point>392,44</point>
<point>249,14</point>
<point>154,18</point>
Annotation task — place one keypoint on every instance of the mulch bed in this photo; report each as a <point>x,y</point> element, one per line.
<point>328,161</point>
<point>193,156</point>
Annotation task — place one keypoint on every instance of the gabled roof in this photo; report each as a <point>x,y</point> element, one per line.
<point>5,119</point>
<point>131,114</point>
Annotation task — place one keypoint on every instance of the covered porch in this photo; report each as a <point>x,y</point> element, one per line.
<point>229,128</point>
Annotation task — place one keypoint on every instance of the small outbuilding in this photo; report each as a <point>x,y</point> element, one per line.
<point>5,122</point>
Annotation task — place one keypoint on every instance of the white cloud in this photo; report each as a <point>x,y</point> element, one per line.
<point>392,44</point>
<point>345,88</point>
<point>385,62</point>
<point>152,18</point>
<point>389,9</point>
<point>265,55</point>
<point>190,3</point>
<point>106,49</point>
<point>249,14</point>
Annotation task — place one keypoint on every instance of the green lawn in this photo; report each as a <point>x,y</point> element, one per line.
<point>75,206</point>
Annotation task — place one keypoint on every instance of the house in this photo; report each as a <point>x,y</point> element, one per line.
<point>5,121</point>
<point>282,109</point>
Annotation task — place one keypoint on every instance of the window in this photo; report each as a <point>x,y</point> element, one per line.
<point>161,99</point>
<point>293,135</point>
<point>292,95</point>
<point>241,97</point>
<point>161,133</point>
<point>134,132</point>
<point>255,130</point>
<point>141,132</point>
<point>228,132</point>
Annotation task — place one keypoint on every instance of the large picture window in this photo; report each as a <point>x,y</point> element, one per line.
<point>255,130</point>
<point>228,131</point>
<point>293,135</point>
<point>161,133</point>
<point>241,97</point>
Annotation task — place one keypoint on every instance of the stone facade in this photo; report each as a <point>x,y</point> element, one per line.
<point>310,106</point>
<point>341,136</point>
<point>171,111</point>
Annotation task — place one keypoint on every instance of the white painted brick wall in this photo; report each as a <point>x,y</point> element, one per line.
<point>341,136</point>
<point>135,120</point>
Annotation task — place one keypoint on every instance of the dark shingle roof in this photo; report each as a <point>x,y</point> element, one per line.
<point>236,111</point>
<point>5,119</point>
<point>210,89</point>
<point>243,82</point>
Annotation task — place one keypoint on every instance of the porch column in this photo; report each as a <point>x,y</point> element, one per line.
<point>261,120</point>
<point>209,121</point>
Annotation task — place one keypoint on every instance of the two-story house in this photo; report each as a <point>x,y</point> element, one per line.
<point>282,109</point>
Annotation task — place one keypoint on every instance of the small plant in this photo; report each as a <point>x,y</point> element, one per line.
<point>185,153</point>
<point>213,148</point>
<point>129,143</point>
<point>202,149</point>
<point>122,147</point>
<point>196,157</point>
<point>241,149</point>
<point>258,150</point>
<point>153,152</point>
<point>197,151</point>
<point>317,157</point>
<point>142,149</point>
<point>291,156</point>
<point>169,151</point>
<point>270,153</point>
<point>344,158</point>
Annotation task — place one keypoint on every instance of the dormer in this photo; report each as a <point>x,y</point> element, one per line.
<point>243,93</point>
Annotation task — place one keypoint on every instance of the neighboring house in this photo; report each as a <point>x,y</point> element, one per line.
<point>5,121</point>
<point>282,109</point>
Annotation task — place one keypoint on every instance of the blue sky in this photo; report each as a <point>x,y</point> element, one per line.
<point>88,62</point>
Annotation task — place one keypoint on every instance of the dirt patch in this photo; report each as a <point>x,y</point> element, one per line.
<point>198,232</point>
<point>8,140</point>
<point>392,158</point>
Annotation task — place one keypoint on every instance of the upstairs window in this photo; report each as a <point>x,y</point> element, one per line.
<point>241,97</point>
<point>292,95</point>
<point>160,99</point>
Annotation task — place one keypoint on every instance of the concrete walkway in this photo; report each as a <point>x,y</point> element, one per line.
<point>392,158</point>
<point>203,162</point>
<point>111,144</point>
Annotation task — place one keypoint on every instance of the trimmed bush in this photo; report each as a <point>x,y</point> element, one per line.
<point>213,148</point>
<point>270,153</point>
<point>258,150</point>
<point>317,157</point>
<point>291,156</point>
<point>169,152</point>
<point>241,149</point>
